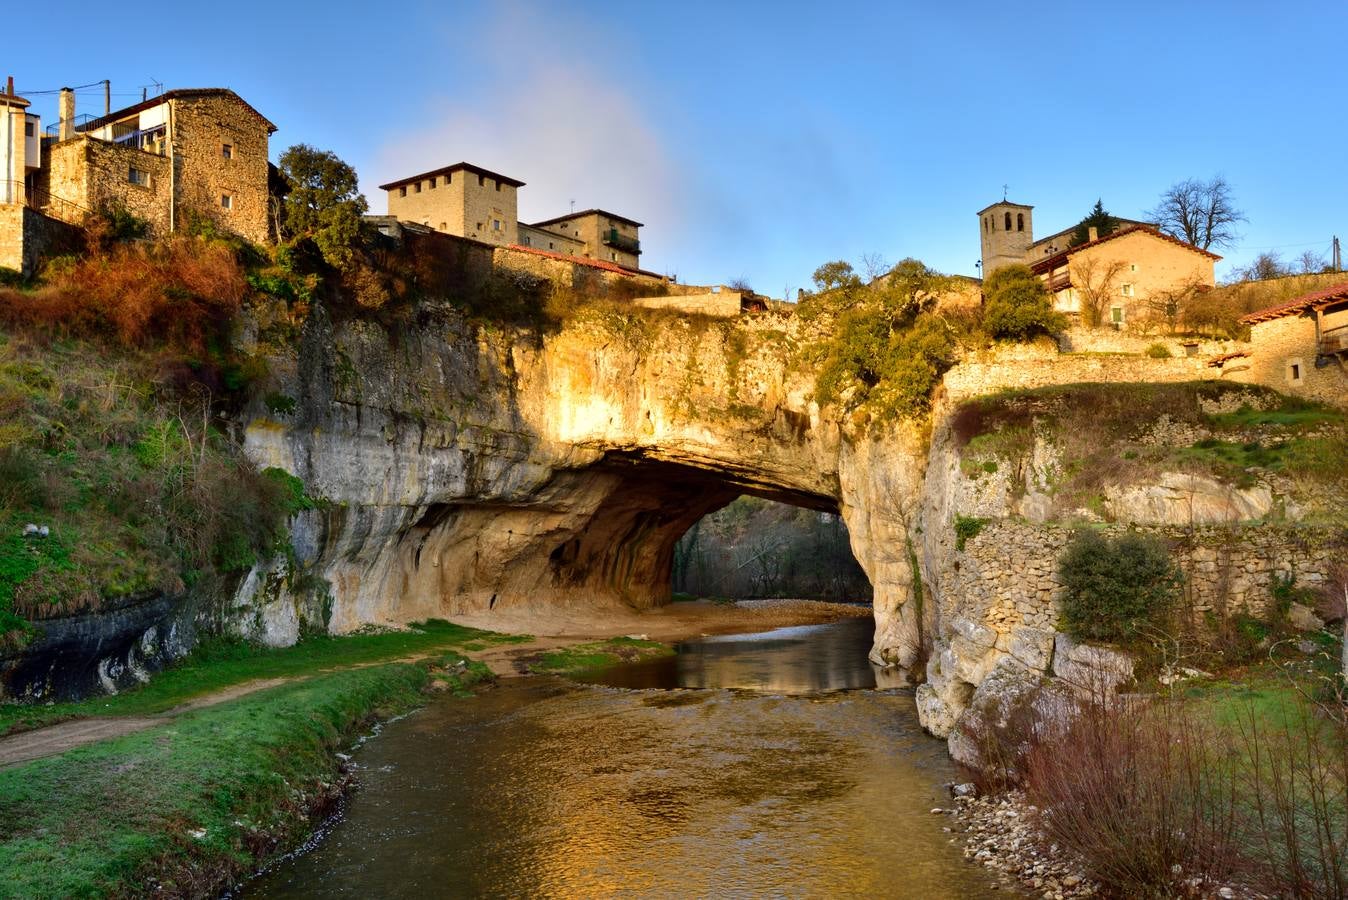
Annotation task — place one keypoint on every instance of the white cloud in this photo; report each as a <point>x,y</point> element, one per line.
<point>540,113</point>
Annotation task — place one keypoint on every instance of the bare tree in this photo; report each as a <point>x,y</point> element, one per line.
<point>1095,281</point>
<point>1311,262</point>
<point>873,265</point>
<point>1200,212</point>
<point>1268,264</point>
<point>1171,305</point>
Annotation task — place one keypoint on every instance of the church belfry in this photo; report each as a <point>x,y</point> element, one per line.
<point>1006,231</point>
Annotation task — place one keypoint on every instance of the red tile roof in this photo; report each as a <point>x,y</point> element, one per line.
<point>1314,300</point>
<point>1049,263</point>
<point>582,261</point>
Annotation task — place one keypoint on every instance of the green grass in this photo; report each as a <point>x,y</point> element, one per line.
<point>221,663</point>
<point>597,655</point>
<point>190,805</point>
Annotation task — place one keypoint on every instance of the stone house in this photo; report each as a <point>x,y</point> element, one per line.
<point>469,201</point>
<point>1122,275</point>
<point>186,155</point>
<point>1301,347</point>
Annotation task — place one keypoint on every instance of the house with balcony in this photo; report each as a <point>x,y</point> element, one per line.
<point>1301,346</point>
<point>185,156</point>
<point>472,202</point>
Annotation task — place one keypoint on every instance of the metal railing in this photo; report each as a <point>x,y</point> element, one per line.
<point>53,131</point>
<point>45,202</point>
<point>619,241</point>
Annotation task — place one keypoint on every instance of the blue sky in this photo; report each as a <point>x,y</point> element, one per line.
<point>758,140</point>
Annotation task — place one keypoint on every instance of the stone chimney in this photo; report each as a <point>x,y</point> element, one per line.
<point>67,113</point>
<point>9,85</point>
<point>1092,233</point>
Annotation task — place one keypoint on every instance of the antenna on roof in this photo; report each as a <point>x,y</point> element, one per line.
<point>573,205</point>
<point>1004,189</point>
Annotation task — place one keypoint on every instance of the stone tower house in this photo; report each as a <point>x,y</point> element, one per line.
<point>461,199</point>
<point>1006,231</point>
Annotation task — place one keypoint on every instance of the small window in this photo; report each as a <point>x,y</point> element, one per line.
<point>28,129</point>
<point>416,188</point>
<point>227,151</point>
<point>138,176</point>
<point>1132,267</point>
<point>495,224</point>
<point>442,227</point>
<point>524,240</point>
<point>432,182</point>
<point>481,180</point>
<point>1020,221</point>
<point>613,256</point>
<point>449,178</point>
<point>550,246</point>
<point>1294,371</point>
<point>227,201</point>
<point>1116,315</point>
<point>1126,289</point>
<point>498,185</point>
<point>479,226</point>
<point>1008,221</point>
<point>402,191</point>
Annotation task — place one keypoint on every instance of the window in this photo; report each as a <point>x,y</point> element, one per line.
<point>524,240</point>
<point>498,185</point>
<point>402,191</point>
<point>481,180</point>
<point>432,182</point>
<point>416,188</point>
<point>987,223</point>
<point>1132,267</point>
<point>442,227</point>
<point>227,151</point>
<point>1020,221</point>
<point>1008,221</point>
<point>449,178</point>
<point>613,256</point>
<point>550,247</point>
<point>138,176</point>
<point>1294,371</point>
<point>1126,289</point>
<point>227,201</point>
<point>479,226</point>
<point>1116,315</point>
<point>495,224</point>
<point>28,129</point>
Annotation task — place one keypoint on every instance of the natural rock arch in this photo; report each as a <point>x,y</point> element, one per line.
<point>464,468</point>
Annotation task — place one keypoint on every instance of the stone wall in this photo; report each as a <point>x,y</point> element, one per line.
<point>1022,368</point>
<point>27,237</point>
<point>722,304</point>
<point>202,126</point>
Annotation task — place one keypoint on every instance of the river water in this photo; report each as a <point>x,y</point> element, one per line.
<point>745,766</point>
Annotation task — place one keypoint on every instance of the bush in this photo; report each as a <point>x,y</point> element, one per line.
<point>966,529</point>
<point>1017,307</point>
<point>1112,588</point>
<point>1159,351</point>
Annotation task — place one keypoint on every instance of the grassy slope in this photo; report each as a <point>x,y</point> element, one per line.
<point>220,664</point>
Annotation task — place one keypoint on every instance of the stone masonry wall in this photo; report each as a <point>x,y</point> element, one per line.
<point>202,126</point>
<point>979,376</point>
<point>1280,344</point>
<point>1007,573</point>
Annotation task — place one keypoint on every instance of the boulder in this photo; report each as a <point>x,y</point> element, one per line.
<point>1180,498</point>
<point>1090,669</point>
<point>1012,709</point>
<point>1033,647</point>
<point>1303,618</point>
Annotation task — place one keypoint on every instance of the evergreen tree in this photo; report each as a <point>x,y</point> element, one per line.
<point>1098,217</point>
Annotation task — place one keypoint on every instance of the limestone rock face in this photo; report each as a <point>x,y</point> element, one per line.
<point>1013,708</point>
<point>1181,498</point>
<point>467,468</point>
<point>1089,669</point>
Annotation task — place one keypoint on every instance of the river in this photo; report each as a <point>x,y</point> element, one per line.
<point>744,766</point>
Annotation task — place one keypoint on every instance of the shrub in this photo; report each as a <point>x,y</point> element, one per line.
<point>1114,587</point>
<point>967,528</point>
<point>1159,351</point>
<point>1017,307</point>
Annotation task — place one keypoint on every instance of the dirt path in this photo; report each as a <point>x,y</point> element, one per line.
<point>553,629</point>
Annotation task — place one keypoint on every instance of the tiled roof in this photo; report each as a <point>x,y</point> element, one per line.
<point>587,212</point>
<point>1313,300</point>
<point>581,260</point>
<point>1049,263</point>
<point>457,167</point>
<point>175,94</point>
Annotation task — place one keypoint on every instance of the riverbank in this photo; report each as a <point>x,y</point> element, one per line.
<point>225,761</point>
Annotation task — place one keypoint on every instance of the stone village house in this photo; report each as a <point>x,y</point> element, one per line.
<point>1124,273</point>
<point>1301,347</point>
<point>472,202</point>
<point>187,155</point>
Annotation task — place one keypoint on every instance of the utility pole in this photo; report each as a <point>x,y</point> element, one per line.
<point>1337,255</point>
<point>107,96</point>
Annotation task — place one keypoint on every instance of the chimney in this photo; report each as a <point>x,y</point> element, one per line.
<point>67,112</point>
<point>9,86</point>
<point>1092,233</point>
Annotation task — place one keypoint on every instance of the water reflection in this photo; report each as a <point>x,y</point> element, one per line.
<point>542,788</point>
<point>796,660</point>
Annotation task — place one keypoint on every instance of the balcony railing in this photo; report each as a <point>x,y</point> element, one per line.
<point>619,241</point>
